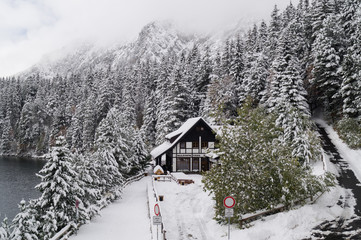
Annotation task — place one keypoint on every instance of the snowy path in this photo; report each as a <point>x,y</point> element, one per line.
<point>187,210</point>
<point>347,163</point>
<point>126,218</point>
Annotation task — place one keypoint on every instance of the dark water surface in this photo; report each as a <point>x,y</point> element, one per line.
<point>17,182</point>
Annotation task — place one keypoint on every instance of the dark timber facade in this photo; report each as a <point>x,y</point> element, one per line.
<point>185,149</point>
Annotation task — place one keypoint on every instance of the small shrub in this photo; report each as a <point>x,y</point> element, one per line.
<point>349,130</point>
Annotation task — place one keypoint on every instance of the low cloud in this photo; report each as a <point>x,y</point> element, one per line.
<point>31,28</point>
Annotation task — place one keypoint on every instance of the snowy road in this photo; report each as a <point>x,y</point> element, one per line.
<point>348,177</point>
<point>187,210</point>
<point>126,218</point>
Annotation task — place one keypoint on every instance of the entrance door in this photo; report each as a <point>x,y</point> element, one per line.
<point>205,164</point>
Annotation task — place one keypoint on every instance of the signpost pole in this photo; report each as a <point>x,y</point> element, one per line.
<point>229,228</point>
<point>229,203</point>
<point>157,219</point>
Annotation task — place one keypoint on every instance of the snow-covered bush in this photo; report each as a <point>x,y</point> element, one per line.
<point>349,130</point>
<point>257,167</point>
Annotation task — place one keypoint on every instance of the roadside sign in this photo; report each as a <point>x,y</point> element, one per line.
<point>229,202</point>
<point>156,209</point>
<point>228,212</point>
<point>157,220</point>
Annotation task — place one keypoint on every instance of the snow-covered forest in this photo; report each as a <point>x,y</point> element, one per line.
<point>307,56</point>
<point>96,112</point>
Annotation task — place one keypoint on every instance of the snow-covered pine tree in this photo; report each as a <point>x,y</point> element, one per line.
<point>89,123</point>
<point>150,120</point>
<point>5,230</point>
<point>181,96</point>
<point>139,152</point>
<point>89,181</point>
<point>321,9</point>
<point>286,84</point>
<point>163,92</point>
<point>351,70</point>
<point>298,133</point>
<point>326,71</point>
<point>274,31</point>
<point>256,77</point>
<point>25,223</point>
<point>106,96</point>
<point>237,64</point>
<point>109,151</point>
<point>6,137</point>
<point>59,192</point>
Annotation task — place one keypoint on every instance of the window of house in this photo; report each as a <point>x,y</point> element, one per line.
<point>195,164</point>
<point>182,145</point>
<point>183,164</point>
<point>198,129</point>
<point>204,144</point>
<point>195,144</point>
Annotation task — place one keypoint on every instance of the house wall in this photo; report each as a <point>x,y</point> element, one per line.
<point>190,157</point>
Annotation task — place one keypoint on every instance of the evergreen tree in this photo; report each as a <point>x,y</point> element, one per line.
<point>5,230</point>
<point>150,121</point>
<point>139,152</point>
<point>326,71</point>
<point>89,123</point>
<point>89,181</point>
<point>351,79</point>
<point>6,137</point>
<point>25,224</point>
<point>298,133</point>
<point>285,83</point>
<point>60,191</point>
<point>109,154</point>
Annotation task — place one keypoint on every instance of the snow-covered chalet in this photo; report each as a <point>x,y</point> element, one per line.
<point>185,150</point>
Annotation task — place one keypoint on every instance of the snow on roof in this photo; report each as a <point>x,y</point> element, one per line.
<point>180,132</point>
<point>160,149</point>
<point>184,128</point>
<point>158,168</point>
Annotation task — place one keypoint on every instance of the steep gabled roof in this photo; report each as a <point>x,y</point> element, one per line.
<point>179,133</point>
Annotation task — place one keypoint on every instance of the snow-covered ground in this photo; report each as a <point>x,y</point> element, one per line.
<point>126,218</point>
<point>188,213</point>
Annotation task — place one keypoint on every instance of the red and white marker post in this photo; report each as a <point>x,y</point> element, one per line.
<point>229,203</point>
<point>157,220</point>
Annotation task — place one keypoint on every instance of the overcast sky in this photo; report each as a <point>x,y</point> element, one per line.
<point>31,28</point>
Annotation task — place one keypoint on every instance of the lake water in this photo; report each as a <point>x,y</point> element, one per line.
<point>17,182</point>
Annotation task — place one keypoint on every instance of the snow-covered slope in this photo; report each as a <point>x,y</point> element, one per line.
<point>154,41</point>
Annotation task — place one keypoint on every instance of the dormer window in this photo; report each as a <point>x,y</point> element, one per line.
<point>199,129</point>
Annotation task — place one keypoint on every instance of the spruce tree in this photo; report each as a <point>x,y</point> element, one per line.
<point>326,71</point>
<point>5,230</point>
<point>59,192</point>
<point>109,154</point>
<point>25,223</point>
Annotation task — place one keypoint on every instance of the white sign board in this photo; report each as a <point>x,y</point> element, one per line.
<point>157,220</point>
<point>228,212</point>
